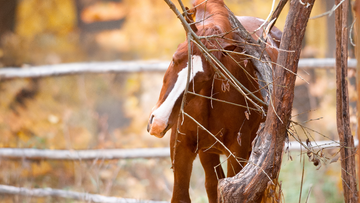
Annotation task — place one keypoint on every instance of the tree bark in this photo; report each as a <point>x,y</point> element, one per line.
<point>347,152</point>
<point>357,52</point>
<point>264,164</point>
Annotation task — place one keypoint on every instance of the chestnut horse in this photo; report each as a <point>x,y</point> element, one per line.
<point>233,125</point>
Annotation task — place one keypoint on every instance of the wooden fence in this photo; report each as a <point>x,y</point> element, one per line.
<point>119,67</point>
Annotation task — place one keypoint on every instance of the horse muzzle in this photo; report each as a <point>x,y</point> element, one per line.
<point>157,127</point>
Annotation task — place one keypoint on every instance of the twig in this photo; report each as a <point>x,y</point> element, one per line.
<point>223,101</point>
<point>350,33</point>
<point>307,198</point>
<point>302,178</point>
<point>226,74</point>
<point>329,13</point>
<point>267,19</point>
<point>222,144</point>
<point>277,12</point>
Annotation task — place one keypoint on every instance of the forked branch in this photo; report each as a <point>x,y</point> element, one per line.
<point>249,185</point>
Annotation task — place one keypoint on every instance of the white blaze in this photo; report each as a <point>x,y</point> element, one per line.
<point>163,112</point>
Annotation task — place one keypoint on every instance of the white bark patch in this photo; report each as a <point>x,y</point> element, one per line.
<point>163,112</point>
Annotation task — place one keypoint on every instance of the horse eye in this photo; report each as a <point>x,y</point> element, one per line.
<point>173,62</point>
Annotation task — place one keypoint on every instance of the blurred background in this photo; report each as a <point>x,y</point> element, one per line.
<point>110,110</point>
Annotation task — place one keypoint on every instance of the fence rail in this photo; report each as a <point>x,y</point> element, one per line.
<point>106,154</point>
<point>49,192</point>
<point>78,68</point>
<point>85,154</point>
<point>128,67</point>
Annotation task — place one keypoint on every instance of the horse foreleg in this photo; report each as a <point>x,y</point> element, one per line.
<point>213,172</point>
<point>182,158</point>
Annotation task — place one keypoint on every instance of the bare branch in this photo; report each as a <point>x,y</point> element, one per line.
<point>328,13</point>
<point>277,12</point>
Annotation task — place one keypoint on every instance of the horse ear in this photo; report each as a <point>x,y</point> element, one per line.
<point>190,18</point>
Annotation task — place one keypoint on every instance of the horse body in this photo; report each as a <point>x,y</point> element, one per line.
<point>227,122</point>
<point>234,126</point>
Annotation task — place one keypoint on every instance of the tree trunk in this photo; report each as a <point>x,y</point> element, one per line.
<point>7,16</point>
<point>264,164</point>
<point>357,52</point>
<point>347,152</point>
